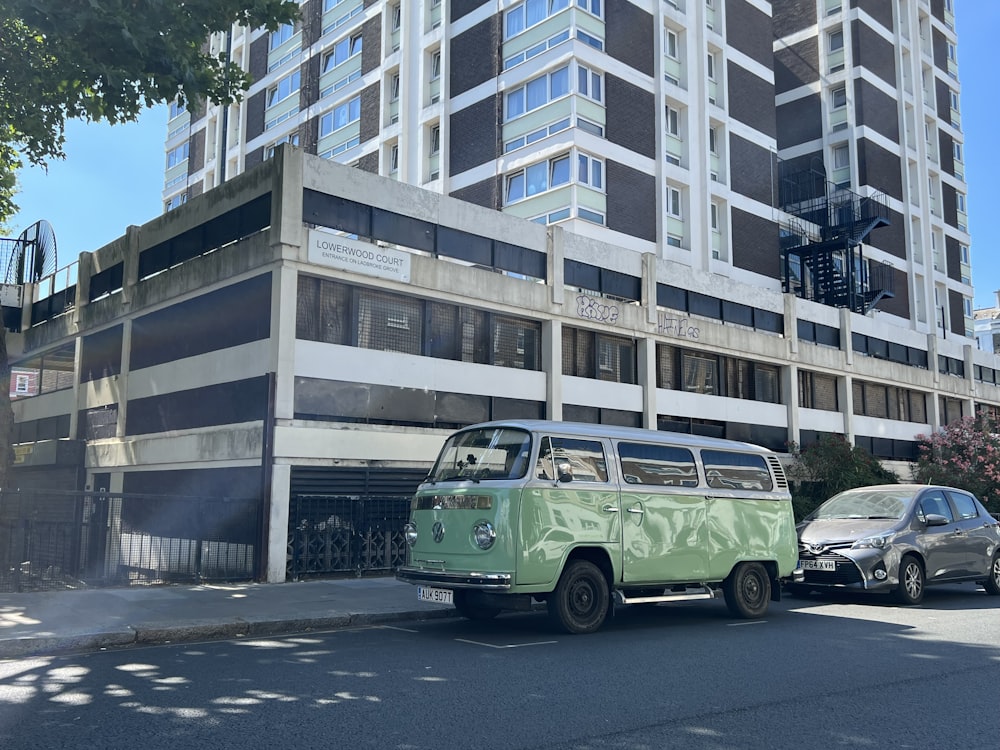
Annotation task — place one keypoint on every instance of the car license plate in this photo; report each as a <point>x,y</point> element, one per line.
<point>438,596</point>
<point>830,565</point>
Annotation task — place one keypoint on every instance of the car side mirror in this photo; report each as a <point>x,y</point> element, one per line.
<point>936,519</point>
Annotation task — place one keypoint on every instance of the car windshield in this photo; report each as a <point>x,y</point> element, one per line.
<point>483,453</point>
<point>888,504</point>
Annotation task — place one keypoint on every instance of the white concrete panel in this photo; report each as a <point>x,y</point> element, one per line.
<point>333,362</point>
<point>231,443</point>
<point>821,421</point>
<point>589,392</point>
<point>212,368</point>
<point>683,404</point>
<point>361,444</point>
<point>888,428</point>
<point>46,405</point>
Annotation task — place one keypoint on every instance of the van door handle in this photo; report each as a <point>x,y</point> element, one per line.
<point>610,508</point>
<point>636,509</point>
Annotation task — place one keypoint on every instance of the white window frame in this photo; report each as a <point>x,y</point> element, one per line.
<point>281,35</point>
<point>838,97</point>
<point>673,118</point>
<point>394,87</point>
<point>841,156</point>
<point>394,158</point>
<point>350,106</point>
<point>292,138</point>
<point>590,171</point>
<point>835,40</point>
<point>396,14</point>
<point>713,140</point>
<point>434,139</point>
<point>714,212</point>
<point>675,202</point>
<point>521,175</point>
<point>342,51</point>
<point>710,66</point>
<point>519,14</point>
<point>671,43</point>
<point>178,154</point>
<point>588,79</point>
<point>521,92</point>
<point>435,65</point>
<point>279,91</point>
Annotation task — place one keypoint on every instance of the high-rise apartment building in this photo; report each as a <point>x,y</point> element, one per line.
<point>708,131</point>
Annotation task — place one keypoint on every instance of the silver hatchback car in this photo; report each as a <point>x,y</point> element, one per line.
<point>899,538</point>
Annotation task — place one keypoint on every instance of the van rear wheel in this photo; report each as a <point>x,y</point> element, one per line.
<point>747,590</point>
<point>581,599</point>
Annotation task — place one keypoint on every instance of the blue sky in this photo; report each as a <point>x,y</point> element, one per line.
<point>113,176</point>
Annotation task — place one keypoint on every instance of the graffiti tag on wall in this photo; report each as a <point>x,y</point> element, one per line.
<point>677,327</point>
<point>589,308</point>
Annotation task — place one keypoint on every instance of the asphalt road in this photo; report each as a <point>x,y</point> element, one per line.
<point>816,673</point>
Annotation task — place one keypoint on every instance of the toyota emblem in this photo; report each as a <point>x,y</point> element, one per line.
<point>438,531</point>
<point>816,549</point>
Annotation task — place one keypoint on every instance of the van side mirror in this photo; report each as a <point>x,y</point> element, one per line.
<point>565,472</point>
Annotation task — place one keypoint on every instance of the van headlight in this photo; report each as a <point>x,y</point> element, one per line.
<point>410,533</point>
<point>873,542</point>
<point>483,534</point>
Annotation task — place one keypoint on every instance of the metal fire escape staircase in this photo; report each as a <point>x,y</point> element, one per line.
<point>822,244</point>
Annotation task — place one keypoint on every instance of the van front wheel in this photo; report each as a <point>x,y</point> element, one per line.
<point>580,602</point>
<point>747,590</point>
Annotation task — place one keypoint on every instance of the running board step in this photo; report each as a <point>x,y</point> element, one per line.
<point>703,592</point>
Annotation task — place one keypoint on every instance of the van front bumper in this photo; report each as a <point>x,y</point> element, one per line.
<point>481,581</point>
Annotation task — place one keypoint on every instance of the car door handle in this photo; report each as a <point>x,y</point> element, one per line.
<point>639,511</point>
<point>610,509</point>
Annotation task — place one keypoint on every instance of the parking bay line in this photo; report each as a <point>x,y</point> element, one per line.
<point>507,645</point>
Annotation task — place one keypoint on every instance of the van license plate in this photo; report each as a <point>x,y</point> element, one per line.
<point>438,596</point>
<point>830,565</point>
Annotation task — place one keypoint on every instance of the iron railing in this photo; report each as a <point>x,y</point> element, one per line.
<point>57,540</point>
<point>345,535</point>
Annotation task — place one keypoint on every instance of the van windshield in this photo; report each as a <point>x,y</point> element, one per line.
<point>483,453</point>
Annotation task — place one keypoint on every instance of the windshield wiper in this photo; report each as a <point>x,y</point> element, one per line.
<point>458,476</point>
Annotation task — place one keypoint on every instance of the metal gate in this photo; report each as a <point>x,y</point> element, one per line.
<point>345,534</point>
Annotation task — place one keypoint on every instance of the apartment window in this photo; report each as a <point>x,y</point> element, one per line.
<point>835,40</point>
<point>177,155</point>
<point>394,87</point>
<point>841,157</point>
<point>529,13</point>
<point>328,4</point>
<point>674,241</point>
<point>714,216</point>
<point>291,138</point>
<point>673,122</point>
<point>340,117</point>
<point>710,66</point>
<point>283,89</point>
<point>537,178</point>
<point>178,200</point>
<point>342,51</point>
<point>177,108</point>
<point>396,13</point>
<point>951,52</point>
<point>954,101</point>
<point>435,139</point>
<point>670,45</point>
<point>960,202</point>
<point>964,251</point>
<point>838,97</point>
<point>592,6</point>
<point>674,202</point>
<point>590,172</point>
<point>281,35</point>
<point>538,92</point>
<point>590,83</point>
<point>713,140</point>
<point>394,158</point>
<point>436,65</point>
<point>958,151</point>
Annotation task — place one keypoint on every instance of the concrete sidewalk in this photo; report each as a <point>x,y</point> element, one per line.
<point>67,621</point>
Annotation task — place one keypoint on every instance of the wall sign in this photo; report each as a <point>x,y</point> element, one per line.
<point>354,255</point>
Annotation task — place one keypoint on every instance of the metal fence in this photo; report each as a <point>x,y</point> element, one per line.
<point>57,540</point>
<point>345,534</point>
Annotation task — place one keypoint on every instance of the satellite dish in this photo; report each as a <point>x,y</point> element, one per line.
<point>34,255</point>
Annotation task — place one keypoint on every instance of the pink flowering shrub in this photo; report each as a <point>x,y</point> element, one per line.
<point>964,454</point>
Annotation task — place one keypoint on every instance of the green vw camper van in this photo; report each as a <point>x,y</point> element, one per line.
<point>583,516</point>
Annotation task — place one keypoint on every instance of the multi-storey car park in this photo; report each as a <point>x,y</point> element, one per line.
<point>732,218</point>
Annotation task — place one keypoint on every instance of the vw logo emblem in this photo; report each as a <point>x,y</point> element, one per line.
<point>816,549</point>
<point>438,531</point>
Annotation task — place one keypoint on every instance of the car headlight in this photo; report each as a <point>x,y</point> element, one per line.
<point>873,542</point>
<point>484,534</point>
<point>410,533</point>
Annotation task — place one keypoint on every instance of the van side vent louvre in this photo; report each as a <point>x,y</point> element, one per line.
<point>780,480</point>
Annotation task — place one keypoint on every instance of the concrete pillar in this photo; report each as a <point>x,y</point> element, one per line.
<point>277,531</point>
<point>647,379</point>
<point>554,263</point>
<point>552,366</point>
<point>790,387</point>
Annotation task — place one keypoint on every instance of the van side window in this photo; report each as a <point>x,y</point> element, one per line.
<point>582,460</point>
<point>729,470</point>
<point>662,465</point>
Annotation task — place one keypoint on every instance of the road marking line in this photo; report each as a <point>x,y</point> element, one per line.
<point>509,645</point>
<point>392,627</point>
<point>750,622</point>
